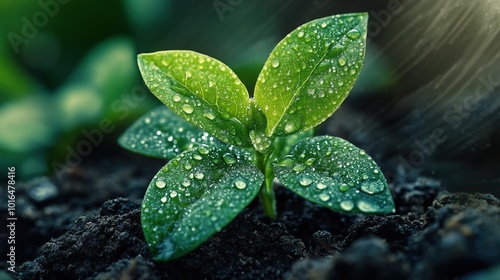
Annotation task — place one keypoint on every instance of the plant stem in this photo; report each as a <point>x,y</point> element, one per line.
<point>266,193</point>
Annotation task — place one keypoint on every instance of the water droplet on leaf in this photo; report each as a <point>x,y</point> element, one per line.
<point>353,34</point>
<point>186,182</point>
<point>160,183</point>
<point>342,61</point>
<point>305,181</point>
<point>310,161</point>
<point>209,115</point>
<point>203,150</point>
<point>229,158</point>
<point>188,109</point>
<point>324,197</point>
<point>367,207</point>
<point>299,167</point>
<point>239,184</point>
<point>347,205</point>
<point>197,157</point>
<point>343,187</point>
<point>372,187</point>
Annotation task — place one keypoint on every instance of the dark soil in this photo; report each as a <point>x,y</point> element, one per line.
<point>87,226</point>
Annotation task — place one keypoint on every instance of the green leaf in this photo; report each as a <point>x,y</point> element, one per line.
<point>310,73</point>
<point>161,133</point>
<point>194,196</point>
<point>200,89</point>
<point>336,174</point>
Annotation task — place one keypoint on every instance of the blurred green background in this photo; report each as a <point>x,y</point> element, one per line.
<point>426,101</point>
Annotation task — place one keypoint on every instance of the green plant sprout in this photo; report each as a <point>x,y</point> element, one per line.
<point>226,148</point>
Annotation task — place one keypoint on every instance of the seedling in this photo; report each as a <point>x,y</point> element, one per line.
<point>226,148</point>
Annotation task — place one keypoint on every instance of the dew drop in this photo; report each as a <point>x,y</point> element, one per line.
<point>286,161</point>
<point>188,109</point>
<point>173,194</point>
<point>320,186</point>
<point>347,205</point>
<point>364,176</point>
<point>147,120</point>
<point>353,34</point>
<point>209,115</point>
<point>186,182</point>
<point>292,125</point>
<point>299,167</point>
<point>239,184</point>
<point>300,34</point>
<point>375,171</point>
<point>229,158</point>
<point>342,61</point>
<point>160,183</point>
<point>324,24</point>
<point>324,197</point>
<point>197,157</point>
<point>188,74</point>
<point>367,207</point>
<point>275,63</point>
<point>340,83</point>
<point>305,181</point>
<point>343,187</point>
<point>372,187</point>
<point>362,153</point>
<point>199,176</point>
<point>210,84</point>
<point>163,199</point>
<point>310,161</point>
<point>188,166</point>
<point>176,98</point>
<point>203,150</point>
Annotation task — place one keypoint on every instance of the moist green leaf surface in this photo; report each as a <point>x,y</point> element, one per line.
<point>310,73</point>
<point>200,89</point>
<point>282,145</point>
<point>336,174</point>
<point>194,196</point>
<point>161,133</point>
